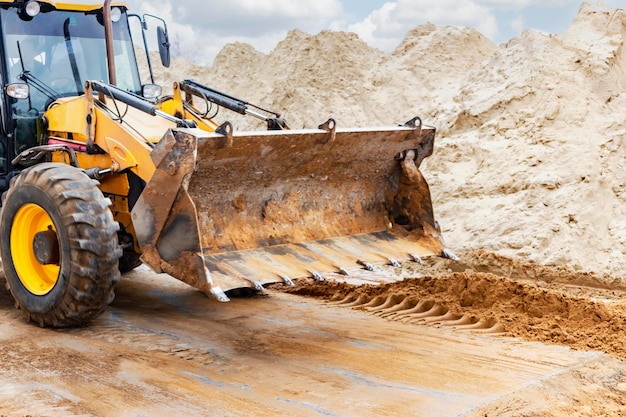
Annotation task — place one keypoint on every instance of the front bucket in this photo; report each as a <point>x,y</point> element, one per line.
<point>277,205</point>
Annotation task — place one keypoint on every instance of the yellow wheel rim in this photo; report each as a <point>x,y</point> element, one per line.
<point>28,221</point>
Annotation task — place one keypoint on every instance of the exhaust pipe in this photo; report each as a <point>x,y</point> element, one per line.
<point>108,36</point>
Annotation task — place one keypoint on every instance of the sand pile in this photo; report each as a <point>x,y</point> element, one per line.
<point>489,303</point>
<point>529,160</point>
<point>533,149</point>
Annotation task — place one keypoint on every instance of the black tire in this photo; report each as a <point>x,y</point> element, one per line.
<point>75,286</point>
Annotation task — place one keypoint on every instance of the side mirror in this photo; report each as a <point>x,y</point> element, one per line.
<point>19,91</point>
<point>164,46</point>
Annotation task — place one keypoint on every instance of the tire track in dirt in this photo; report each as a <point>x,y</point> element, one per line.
<point>156,342</point>
<point>413,310</point>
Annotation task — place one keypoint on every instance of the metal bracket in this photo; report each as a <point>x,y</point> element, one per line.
<point>329,126</point>
<point>226,129</point>
<point>414,125</point>
<point>425,147</point>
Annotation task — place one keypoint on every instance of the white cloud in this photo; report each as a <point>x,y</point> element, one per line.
<point>385,27</point>
<point>199,29</point>
<point>297,10</point>
<point>251,17</point>
<point>519,4</point>
<point>370,31</point>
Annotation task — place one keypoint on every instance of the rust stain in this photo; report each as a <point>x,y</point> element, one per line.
<point>290,203</point>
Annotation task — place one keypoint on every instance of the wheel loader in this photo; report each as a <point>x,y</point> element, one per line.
<point>99,172</point>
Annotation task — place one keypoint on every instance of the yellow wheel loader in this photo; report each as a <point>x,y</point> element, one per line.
<point>99,173</point>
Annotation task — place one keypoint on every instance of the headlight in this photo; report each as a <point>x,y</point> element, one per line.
<point>116,14</point>
<point>151,91</point>
<point>32,8</point>
<point>18,90</point>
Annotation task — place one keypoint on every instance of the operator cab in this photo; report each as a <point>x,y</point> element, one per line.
<point>47,54</point>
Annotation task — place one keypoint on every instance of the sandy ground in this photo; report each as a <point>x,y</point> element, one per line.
<point>165,349</point>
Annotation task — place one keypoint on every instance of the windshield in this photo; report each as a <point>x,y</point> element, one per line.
<point>57,51</point>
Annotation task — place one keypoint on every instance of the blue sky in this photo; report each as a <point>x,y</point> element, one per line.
<point>200,28</point>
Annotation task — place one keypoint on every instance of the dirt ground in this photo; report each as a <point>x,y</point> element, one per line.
<point>488,336</point>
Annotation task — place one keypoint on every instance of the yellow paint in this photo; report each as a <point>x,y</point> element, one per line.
<point>28,221</point>
<point>119,207</point>
<point>68,116</point>
<point>115,184</point>
<point>73,6</point>
<point>121,154</point>
<point>126,143</point>
<point>174,105</point>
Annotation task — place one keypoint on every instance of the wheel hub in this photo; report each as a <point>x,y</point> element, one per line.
<point>46,247</point>
<point>35,249</point>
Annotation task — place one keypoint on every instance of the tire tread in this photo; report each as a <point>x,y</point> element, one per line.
<point>93,243</point>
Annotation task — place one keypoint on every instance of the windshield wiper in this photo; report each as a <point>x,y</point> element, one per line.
<point>28,77</point>
<point>70,53</point>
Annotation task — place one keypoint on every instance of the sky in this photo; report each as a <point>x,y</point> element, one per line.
<point>200,28</point>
